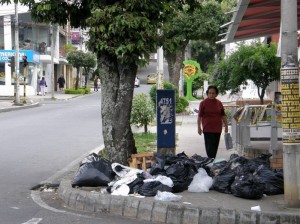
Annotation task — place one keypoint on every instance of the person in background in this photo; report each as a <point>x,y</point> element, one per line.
<point>96,83</point>
<point>61,83</point>
<point>38,88</point>
<point>43,84</point>
<point>211,117</point>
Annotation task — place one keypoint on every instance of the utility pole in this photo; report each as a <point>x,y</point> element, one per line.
<point>52,36</point>
<point>17,60</point>
<point>290,103</point>
<point>160,68</point>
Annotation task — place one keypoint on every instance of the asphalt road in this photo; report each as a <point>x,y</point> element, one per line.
<point>37,145</point>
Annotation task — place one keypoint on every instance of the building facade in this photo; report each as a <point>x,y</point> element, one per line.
<point>35,43</point>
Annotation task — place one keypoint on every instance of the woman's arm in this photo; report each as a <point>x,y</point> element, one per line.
<point>225,121</point>
<point>199,121</point>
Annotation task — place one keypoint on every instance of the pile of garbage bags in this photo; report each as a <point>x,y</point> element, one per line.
<point>245,178</point>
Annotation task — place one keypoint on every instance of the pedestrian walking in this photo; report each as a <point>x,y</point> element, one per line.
<point>96,83</point>
<point>211,117</point>
<point>43,85</point>
<point>61,83</point>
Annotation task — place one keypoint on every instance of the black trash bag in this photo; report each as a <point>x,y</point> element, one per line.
<point>173,159</point>
<point>248,186</point>
<point>158,166</point>
<point>182,174</point>
<point>201,162</point>
<point>224,179</point>
<point>236,161</point>
<point>253,164</point>
<point>264,159</point>
<point>94,171</point>
<point>150,188</point>
<point>217,167</point>
<point>274,182</point>
<point>135,185</point>
<point>233,156</point>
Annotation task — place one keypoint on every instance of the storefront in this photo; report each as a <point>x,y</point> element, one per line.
<point>7,79</point>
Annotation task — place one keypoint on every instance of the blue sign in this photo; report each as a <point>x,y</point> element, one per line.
<point>32,56</point>
<point>165,101</point>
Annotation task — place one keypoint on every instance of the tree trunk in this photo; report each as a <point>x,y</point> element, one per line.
<point>117,92</point>
<point>175,63</point>
<point>86,80</point>
<point>261,94</point>
<point>145,128</point>
<point>77,78</point>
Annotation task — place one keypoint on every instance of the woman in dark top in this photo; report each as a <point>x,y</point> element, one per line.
<point>211,117</point>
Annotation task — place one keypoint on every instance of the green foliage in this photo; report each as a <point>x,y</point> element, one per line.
<point>145,142</point>
<point>142,112</point>
<point>256,62</point>
<point>204,53</point>
<point>228,114</point>
<point>198,83</point>
<point>181,103</point>
<point>81,59</point>
<point>86,90</point>
<point>68,48</point>
<point>167,85</point>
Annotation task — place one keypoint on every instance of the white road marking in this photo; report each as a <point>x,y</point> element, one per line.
<point>35,195</point>
<point>33,221</point>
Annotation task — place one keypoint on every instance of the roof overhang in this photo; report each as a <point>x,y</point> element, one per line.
<point>253,19</point>
<point>45,58</point>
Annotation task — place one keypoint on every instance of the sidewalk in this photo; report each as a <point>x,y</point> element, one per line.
<point>198,208</point>
<point>7,103</point>
<point>208,208</point>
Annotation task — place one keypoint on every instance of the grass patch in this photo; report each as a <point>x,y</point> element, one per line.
<point>145,142</point>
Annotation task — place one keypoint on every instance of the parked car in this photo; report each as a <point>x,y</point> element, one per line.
<point>151,78</point>
<point>137,82</point>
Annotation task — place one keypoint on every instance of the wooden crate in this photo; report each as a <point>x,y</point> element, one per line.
<point>142,161</point>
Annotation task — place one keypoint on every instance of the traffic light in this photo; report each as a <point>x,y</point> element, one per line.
<point>12,63</point>
<point>24,61</point>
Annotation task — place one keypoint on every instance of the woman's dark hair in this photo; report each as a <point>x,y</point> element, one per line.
<point>212,87</point>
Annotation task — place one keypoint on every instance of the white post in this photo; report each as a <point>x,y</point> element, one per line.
<point>17,60</point>
<point>52,60</point>
<point>160,68</point>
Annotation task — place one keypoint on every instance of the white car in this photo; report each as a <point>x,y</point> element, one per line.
<point>137,82</point>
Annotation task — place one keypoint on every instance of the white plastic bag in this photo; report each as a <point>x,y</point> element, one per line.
<point>122,190</point>
<point>201,182</point>
<point>167,196</point>
<point>163,179</point>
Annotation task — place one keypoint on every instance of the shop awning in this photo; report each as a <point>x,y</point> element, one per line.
<point>254,18</point>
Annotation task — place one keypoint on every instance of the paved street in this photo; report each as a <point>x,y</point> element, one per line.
<point>37,144</point>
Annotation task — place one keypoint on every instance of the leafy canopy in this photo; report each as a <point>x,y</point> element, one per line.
<point>81,59</point>
<point>126,30</point>
<point>256,62</point>
<point>142,112</point>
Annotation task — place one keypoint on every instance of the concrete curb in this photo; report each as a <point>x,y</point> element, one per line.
<point>147,209</point>
<point>19,107</point>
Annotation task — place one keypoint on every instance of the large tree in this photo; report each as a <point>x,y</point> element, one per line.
<point>256,62</point>
<point>202,23</point>
<point>122,34</point>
